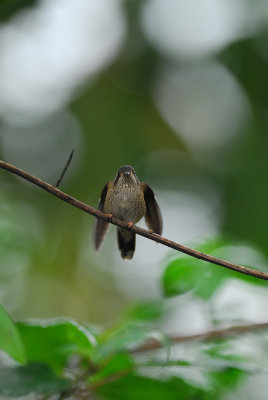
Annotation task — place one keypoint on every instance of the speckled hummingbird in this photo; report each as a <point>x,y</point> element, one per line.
<point>128,199</point>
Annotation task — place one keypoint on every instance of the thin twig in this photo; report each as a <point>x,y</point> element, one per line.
<point>65,169</point>
<point>152,344</point>
<point>139,231</point>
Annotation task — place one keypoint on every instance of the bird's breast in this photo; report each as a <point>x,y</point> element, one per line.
<point>126,203</point>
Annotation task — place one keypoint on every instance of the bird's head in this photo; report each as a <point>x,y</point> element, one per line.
<point>126,175</point>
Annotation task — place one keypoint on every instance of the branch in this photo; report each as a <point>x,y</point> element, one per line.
<point>152,344</point>
<point>86,390</point>
<point>139,231</point>
<point>65,169</point>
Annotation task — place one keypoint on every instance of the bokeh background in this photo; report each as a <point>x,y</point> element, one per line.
<point>176,88</point>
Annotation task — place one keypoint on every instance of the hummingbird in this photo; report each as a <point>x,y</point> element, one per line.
<point>128,199</point>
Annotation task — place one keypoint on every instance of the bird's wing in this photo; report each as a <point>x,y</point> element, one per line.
<point>153,216</point>
<point>100,226</point>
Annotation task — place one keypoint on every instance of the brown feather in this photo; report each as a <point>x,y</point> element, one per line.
<point>100,226</point>
<point>153,216</point>
<point>126,243</point>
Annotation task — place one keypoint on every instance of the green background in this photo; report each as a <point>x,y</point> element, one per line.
<point>48,264</point>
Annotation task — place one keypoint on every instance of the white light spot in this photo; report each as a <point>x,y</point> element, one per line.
<point>203,103</point>
<point>190,28</point>
<point>47,51</point>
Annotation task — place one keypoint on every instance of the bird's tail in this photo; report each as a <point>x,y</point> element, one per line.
<point>126,243</point>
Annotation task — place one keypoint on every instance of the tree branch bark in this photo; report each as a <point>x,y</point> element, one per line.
<point>139,231</point>
<point>210,335</point>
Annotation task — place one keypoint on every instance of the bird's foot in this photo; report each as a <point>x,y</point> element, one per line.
<point>130,224</point>
<point>109,216</point>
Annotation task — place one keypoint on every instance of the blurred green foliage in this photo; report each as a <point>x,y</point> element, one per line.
<point>20,381</point>
<point>109,366</point>
<point>10,7</point>
<point>120,124</point>
<point>53,342</point>
<point>10,340</point>
<point>63,357</point>
<point>48,266</point>
<point>186,273</point>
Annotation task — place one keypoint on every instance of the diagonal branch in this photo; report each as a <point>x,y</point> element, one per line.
<point>139,231</point>
<point>210,335</point>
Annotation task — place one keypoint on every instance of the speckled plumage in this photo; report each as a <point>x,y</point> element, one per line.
<point>125,202</point>
<point>128,199</point>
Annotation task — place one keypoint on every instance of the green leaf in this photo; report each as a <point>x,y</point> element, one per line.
<point>117,364</point>
<point>147,311</point>
<point>10,340</point>
<point>211,278</point>
<point>133,387</point>
<point>180,276</point>
<point>212,245</point>
<point>226,379</point>
<point>126,337</point>
<point>38,378</point>
<point>53,342</point>
<point>187,273</point>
